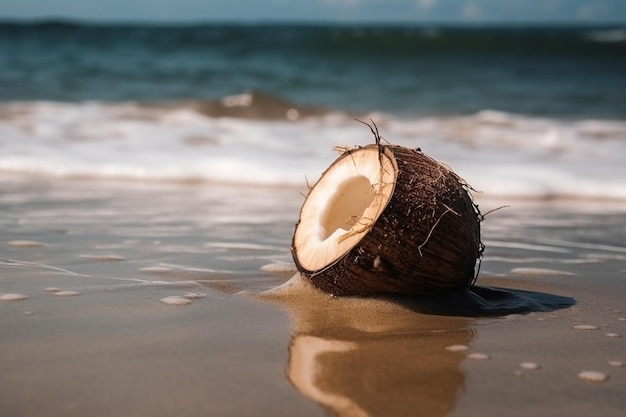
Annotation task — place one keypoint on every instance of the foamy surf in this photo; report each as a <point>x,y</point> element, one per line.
<point>499,154</point>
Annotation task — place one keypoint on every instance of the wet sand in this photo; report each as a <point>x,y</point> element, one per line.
<point>138,299</point>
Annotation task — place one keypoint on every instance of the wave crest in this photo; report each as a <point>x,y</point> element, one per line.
<point>249,138</point>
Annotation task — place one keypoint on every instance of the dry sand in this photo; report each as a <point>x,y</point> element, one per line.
<point>120,299</point>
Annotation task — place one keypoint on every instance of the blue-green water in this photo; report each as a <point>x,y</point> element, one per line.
<point>407,70</point>
<point>517,111</point>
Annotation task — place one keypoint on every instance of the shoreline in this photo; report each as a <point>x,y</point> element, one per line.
<point>496,201</point>
<point>95,336</point>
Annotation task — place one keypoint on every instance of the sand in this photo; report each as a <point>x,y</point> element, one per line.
<point>145,299</point>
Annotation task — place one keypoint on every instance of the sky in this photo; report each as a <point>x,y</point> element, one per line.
<point>456,11</point>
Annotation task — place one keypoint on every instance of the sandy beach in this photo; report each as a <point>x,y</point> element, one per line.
<point>145,299</point>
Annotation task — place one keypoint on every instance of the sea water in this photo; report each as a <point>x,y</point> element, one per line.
<point>530,112</point>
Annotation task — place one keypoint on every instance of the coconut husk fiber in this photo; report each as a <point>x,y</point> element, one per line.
<point>426,240</point>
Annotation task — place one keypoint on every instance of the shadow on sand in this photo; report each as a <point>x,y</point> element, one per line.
<point>480,301</point>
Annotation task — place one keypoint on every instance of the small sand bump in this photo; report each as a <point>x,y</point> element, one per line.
<point>66,293</point>
<point>612,334</point>
<point>478,356</point>
<point>621,318</point>
<point>457,348</point>
<point>593,376</point>
<point>194,295</point>
<point>52,289</point>
<point>175,300</point>
<point>24,244</point>
<point>540,272</point>
<point>616,364</point>
<point>585,327</point>
<point>28,313</point>
<point>529,366</point>
<point>12,297</point>
<point>103,258</point>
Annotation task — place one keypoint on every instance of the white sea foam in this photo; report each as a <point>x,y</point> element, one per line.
<point>66,293</point>
<point>103,258</point>
<point>279,267</point>
<point>498,153</point>
<point>24,244</point>
<point>540,272</point>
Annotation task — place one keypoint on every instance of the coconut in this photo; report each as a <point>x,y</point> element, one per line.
<point>386,219</point>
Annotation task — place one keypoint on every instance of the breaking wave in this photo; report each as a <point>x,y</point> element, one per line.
<point>258,139</point>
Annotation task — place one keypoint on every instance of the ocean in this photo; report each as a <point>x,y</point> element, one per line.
<point>528,112</point>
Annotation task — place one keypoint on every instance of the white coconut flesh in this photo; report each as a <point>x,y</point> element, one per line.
<point>342,207</point>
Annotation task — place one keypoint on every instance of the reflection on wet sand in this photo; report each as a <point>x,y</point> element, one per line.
<point>363,357</point>
<point>384,357</point>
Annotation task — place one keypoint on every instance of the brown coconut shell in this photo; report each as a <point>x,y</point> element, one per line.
<point>425,241</point>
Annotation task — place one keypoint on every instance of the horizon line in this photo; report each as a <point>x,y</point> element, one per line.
<point>308,22</point>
